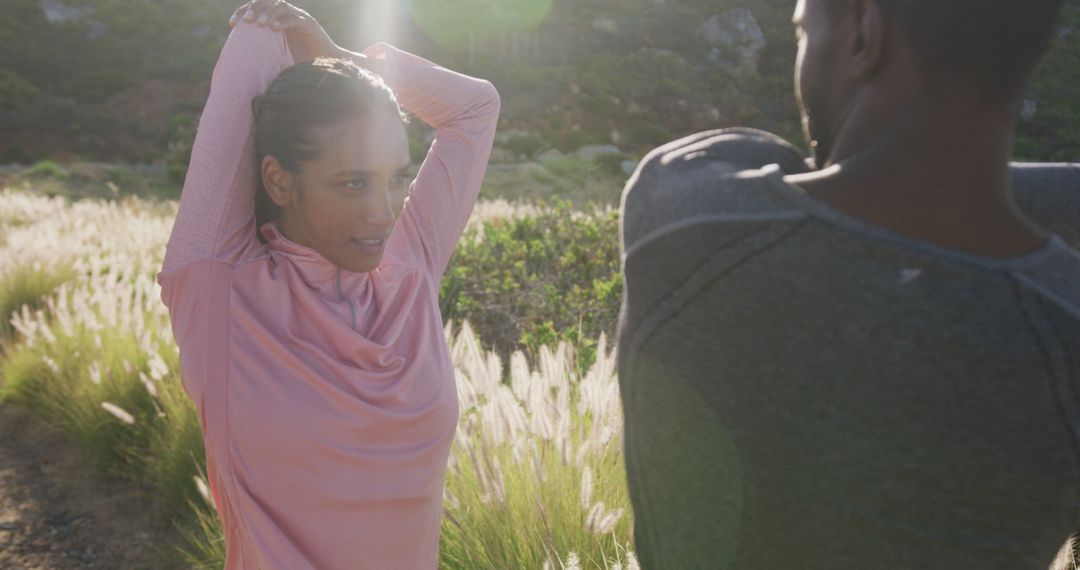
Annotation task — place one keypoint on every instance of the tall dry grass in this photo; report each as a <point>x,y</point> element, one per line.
<point>535,478</point>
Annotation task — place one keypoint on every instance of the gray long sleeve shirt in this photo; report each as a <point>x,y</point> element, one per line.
<point>805,390</point>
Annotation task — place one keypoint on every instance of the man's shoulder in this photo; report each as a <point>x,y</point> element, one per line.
<point>1056,280</point>
<point>733,149</point>
<point>713,173</point>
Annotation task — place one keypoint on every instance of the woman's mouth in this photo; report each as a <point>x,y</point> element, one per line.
<point>375,245</point>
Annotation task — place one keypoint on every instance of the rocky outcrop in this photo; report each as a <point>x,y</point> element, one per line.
<point>736,39</point>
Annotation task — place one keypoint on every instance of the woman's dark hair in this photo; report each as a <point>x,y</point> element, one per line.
<point>995,44</point>
<point>301,102</point>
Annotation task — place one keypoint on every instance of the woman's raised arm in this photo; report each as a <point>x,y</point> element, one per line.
<point>216,219</point>
<point>464,111</point>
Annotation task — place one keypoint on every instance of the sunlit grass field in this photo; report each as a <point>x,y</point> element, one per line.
<point>535,479</point>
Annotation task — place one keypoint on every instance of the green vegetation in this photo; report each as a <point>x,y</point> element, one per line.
<point>110,381</point>
<point>28,286</point>
<point>570,178</point>
<point>536,478</point>
<point>533,281</point>
<point>79,179</point>
<point>126,79</point>
<point>525,493</point>
<point>127,82</point>
<point>1053,133</point>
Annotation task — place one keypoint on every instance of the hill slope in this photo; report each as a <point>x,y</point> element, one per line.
<point>122,79</point>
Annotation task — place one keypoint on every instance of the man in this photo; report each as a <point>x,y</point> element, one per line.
<point>875,364</point>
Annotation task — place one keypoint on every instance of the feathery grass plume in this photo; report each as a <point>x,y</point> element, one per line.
<point>96,332</point>
<point>204,490</point>
<point>149,383</point>
<point>543,442</point>
<point>118,412</point>
<point>537,451</point>
<point>586,487</point>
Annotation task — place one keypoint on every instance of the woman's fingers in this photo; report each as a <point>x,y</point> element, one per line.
<point>277,14</point>
<point>284,22</point>
<point>256,11</point>
<point>249,11</point>
<point>259,10</point>
<point>239,13</point>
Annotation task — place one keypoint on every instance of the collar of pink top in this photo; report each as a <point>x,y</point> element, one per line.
<point>317,272</point>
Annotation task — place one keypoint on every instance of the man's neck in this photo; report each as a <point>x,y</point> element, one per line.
<point>931,171</point>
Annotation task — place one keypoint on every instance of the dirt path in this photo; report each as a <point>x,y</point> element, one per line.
<point>58,511</point>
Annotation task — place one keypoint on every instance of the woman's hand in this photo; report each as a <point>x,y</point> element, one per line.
<point>306,38</point>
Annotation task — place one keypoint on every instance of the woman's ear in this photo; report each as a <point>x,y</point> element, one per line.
<point>868,42</point>
<point>277,181</point>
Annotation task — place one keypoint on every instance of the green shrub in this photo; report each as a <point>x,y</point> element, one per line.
<point>110,381</point>
<point>611,164</point>
<point>525,145</point>
<point>178,143</point>
<point>46,169</point>
<point>27,286</point>
<point>99,84</point>
<point>15,90</point>
<point>529,282</point>
<point>522,492</point>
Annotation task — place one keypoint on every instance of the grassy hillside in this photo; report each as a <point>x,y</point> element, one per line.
<point>124,80</point>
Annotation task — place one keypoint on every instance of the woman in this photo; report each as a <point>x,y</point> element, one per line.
<point>316,356</point>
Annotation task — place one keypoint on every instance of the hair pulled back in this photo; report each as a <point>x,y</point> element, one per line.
<point>299,105</point>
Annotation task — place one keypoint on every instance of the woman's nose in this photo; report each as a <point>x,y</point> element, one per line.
<point>379,211</point>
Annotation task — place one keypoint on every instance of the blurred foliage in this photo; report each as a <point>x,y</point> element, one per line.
<point>1053,134</point>
<point>635,73</point>
<point>454,23</point>
<point>101,180</point>
<point>46,169</point>
<point>532,281</point>
<point>15,90</point>
<point>178,140</point>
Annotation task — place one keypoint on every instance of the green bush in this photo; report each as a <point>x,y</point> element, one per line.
<point>15,90</point>
<point>178,143</point>
<point>611,164</point>
<point>27,286</point>
<point>525,145</point>
<point>1052,134</point>
<point>529,282</point>
<point>78,362</point>
<point>46,169</point>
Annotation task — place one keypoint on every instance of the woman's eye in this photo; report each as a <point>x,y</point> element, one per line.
<point>357,184</point>
<point>399,180</point>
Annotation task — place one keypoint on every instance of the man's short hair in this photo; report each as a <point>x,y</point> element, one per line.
<point>993,43</point>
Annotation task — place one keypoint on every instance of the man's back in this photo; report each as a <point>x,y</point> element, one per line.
<point>805,390</point>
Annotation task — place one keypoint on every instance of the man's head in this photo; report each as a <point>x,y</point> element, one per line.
<point>985,48</point>
<point>334,160</point>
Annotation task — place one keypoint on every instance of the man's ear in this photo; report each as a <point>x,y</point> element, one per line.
<point>277,181</point>
<point>869,41</point>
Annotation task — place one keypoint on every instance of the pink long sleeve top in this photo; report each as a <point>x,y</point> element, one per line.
<point>327,398</point>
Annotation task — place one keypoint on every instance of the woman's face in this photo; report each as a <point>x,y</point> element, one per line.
<point>344,204</point>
